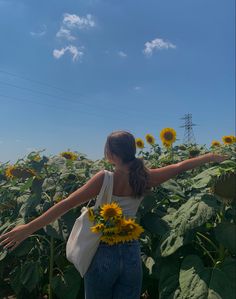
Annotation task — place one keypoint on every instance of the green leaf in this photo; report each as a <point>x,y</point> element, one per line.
<point>23,249</point>
<point>48,185</point>
<point>204,178</point>
<point>174,187</point>
<point>68,285</point>
<point>15,279</point>
<point>169,277</point>
<point>29,206</point>
<point>149,202</point>
<point>153,223</point>
<point>27,185</point>
<point>199,282</point>
<point>37,186</point>
<point>225,233</point>
<point>54,229</point>
<point>3,254</point>
<point>30,275</point>
<point>191,215</point>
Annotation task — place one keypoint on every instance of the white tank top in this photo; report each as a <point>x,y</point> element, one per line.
<point>128,204</point>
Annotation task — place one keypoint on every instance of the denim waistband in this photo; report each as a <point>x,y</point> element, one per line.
<point>124,243</point>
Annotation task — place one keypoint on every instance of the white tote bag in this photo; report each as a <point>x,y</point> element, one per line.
<point>82,242</point>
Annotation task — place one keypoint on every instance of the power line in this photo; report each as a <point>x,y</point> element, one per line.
<point>54,106</point>
<point>61,98</point>
<point>44,93</point>
<point>40,82</point>
<point>122,110</point>
<point>55,87</point>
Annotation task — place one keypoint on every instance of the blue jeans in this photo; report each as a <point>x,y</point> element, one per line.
<point>115,272</point>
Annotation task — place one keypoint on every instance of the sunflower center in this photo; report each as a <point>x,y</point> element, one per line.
<point>228,139</point>
<point>110,212</point>
<point>67,156</point>
<point>168,136</point>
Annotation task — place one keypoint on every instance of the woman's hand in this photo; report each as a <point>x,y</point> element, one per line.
<point>219,158</point>
<point>14,237</point>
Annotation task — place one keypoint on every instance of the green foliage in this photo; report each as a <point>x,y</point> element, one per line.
<point>188,246</point>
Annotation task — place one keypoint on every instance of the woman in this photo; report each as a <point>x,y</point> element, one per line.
<point>115,271</point>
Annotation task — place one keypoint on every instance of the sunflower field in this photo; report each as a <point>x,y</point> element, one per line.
<point>188,240</point>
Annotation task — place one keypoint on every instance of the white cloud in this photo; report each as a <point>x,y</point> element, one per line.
<point>137,87</point>
<point>157,44</point>
<point>39,33</point>
<point>74,51</point>
<point>71,22</point>
<point>65,33</point>
<point>75,21</point>
<point>122,54</point>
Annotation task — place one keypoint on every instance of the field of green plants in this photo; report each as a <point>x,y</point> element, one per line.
<point>188,246</point>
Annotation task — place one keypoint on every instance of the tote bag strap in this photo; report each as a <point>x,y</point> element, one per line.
<point>105,193</point>
<point>109,187</point>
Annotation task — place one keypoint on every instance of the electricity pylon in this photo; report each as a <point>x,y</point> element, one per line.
<point>188,133</point>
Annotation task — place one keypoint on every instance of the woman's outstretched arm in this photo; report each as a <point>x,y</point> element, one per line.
<point>162,174</point>
<point>82,195</point>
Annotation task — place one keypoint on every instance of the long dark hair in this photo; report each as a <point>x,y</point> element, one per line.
<point>122,144</point>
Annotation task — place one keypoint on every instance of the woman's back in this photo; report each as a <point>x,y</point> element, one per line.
<point>121,185</point>
<point>123,194</point>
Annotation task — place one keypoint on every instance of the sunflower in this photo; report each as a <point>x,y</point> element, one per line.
<point>150,139</point>
<point>69,155</point>
<point>215,143</point>
<point>168,136</point>
<point>139,143</point>
<point>109,239</point>
<point>228,139</point>
<point>10,171</point>
<point>113,230</point>
<point>17,171</point>
<point>110,210</point>
<point>130,229</point>
<point>97,228</point>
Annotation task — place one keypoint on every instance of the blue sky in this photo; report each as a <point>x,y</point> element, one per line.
<point>71,72</point>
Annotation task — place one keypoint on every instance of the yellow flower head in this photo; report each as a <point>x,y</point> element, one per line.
<point>215,143</point>
<point>17,171</point>
<point>228,139</point>
<point>113,230</point>
<point>150,139</point>
<point>110,210</point>
<point>10,171</point>
<point>109,239</point>
<point>130,229</point>
<point>168,136</point>
<point>69,155</point>
<point>139,143</point>
<point>97,228</point>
